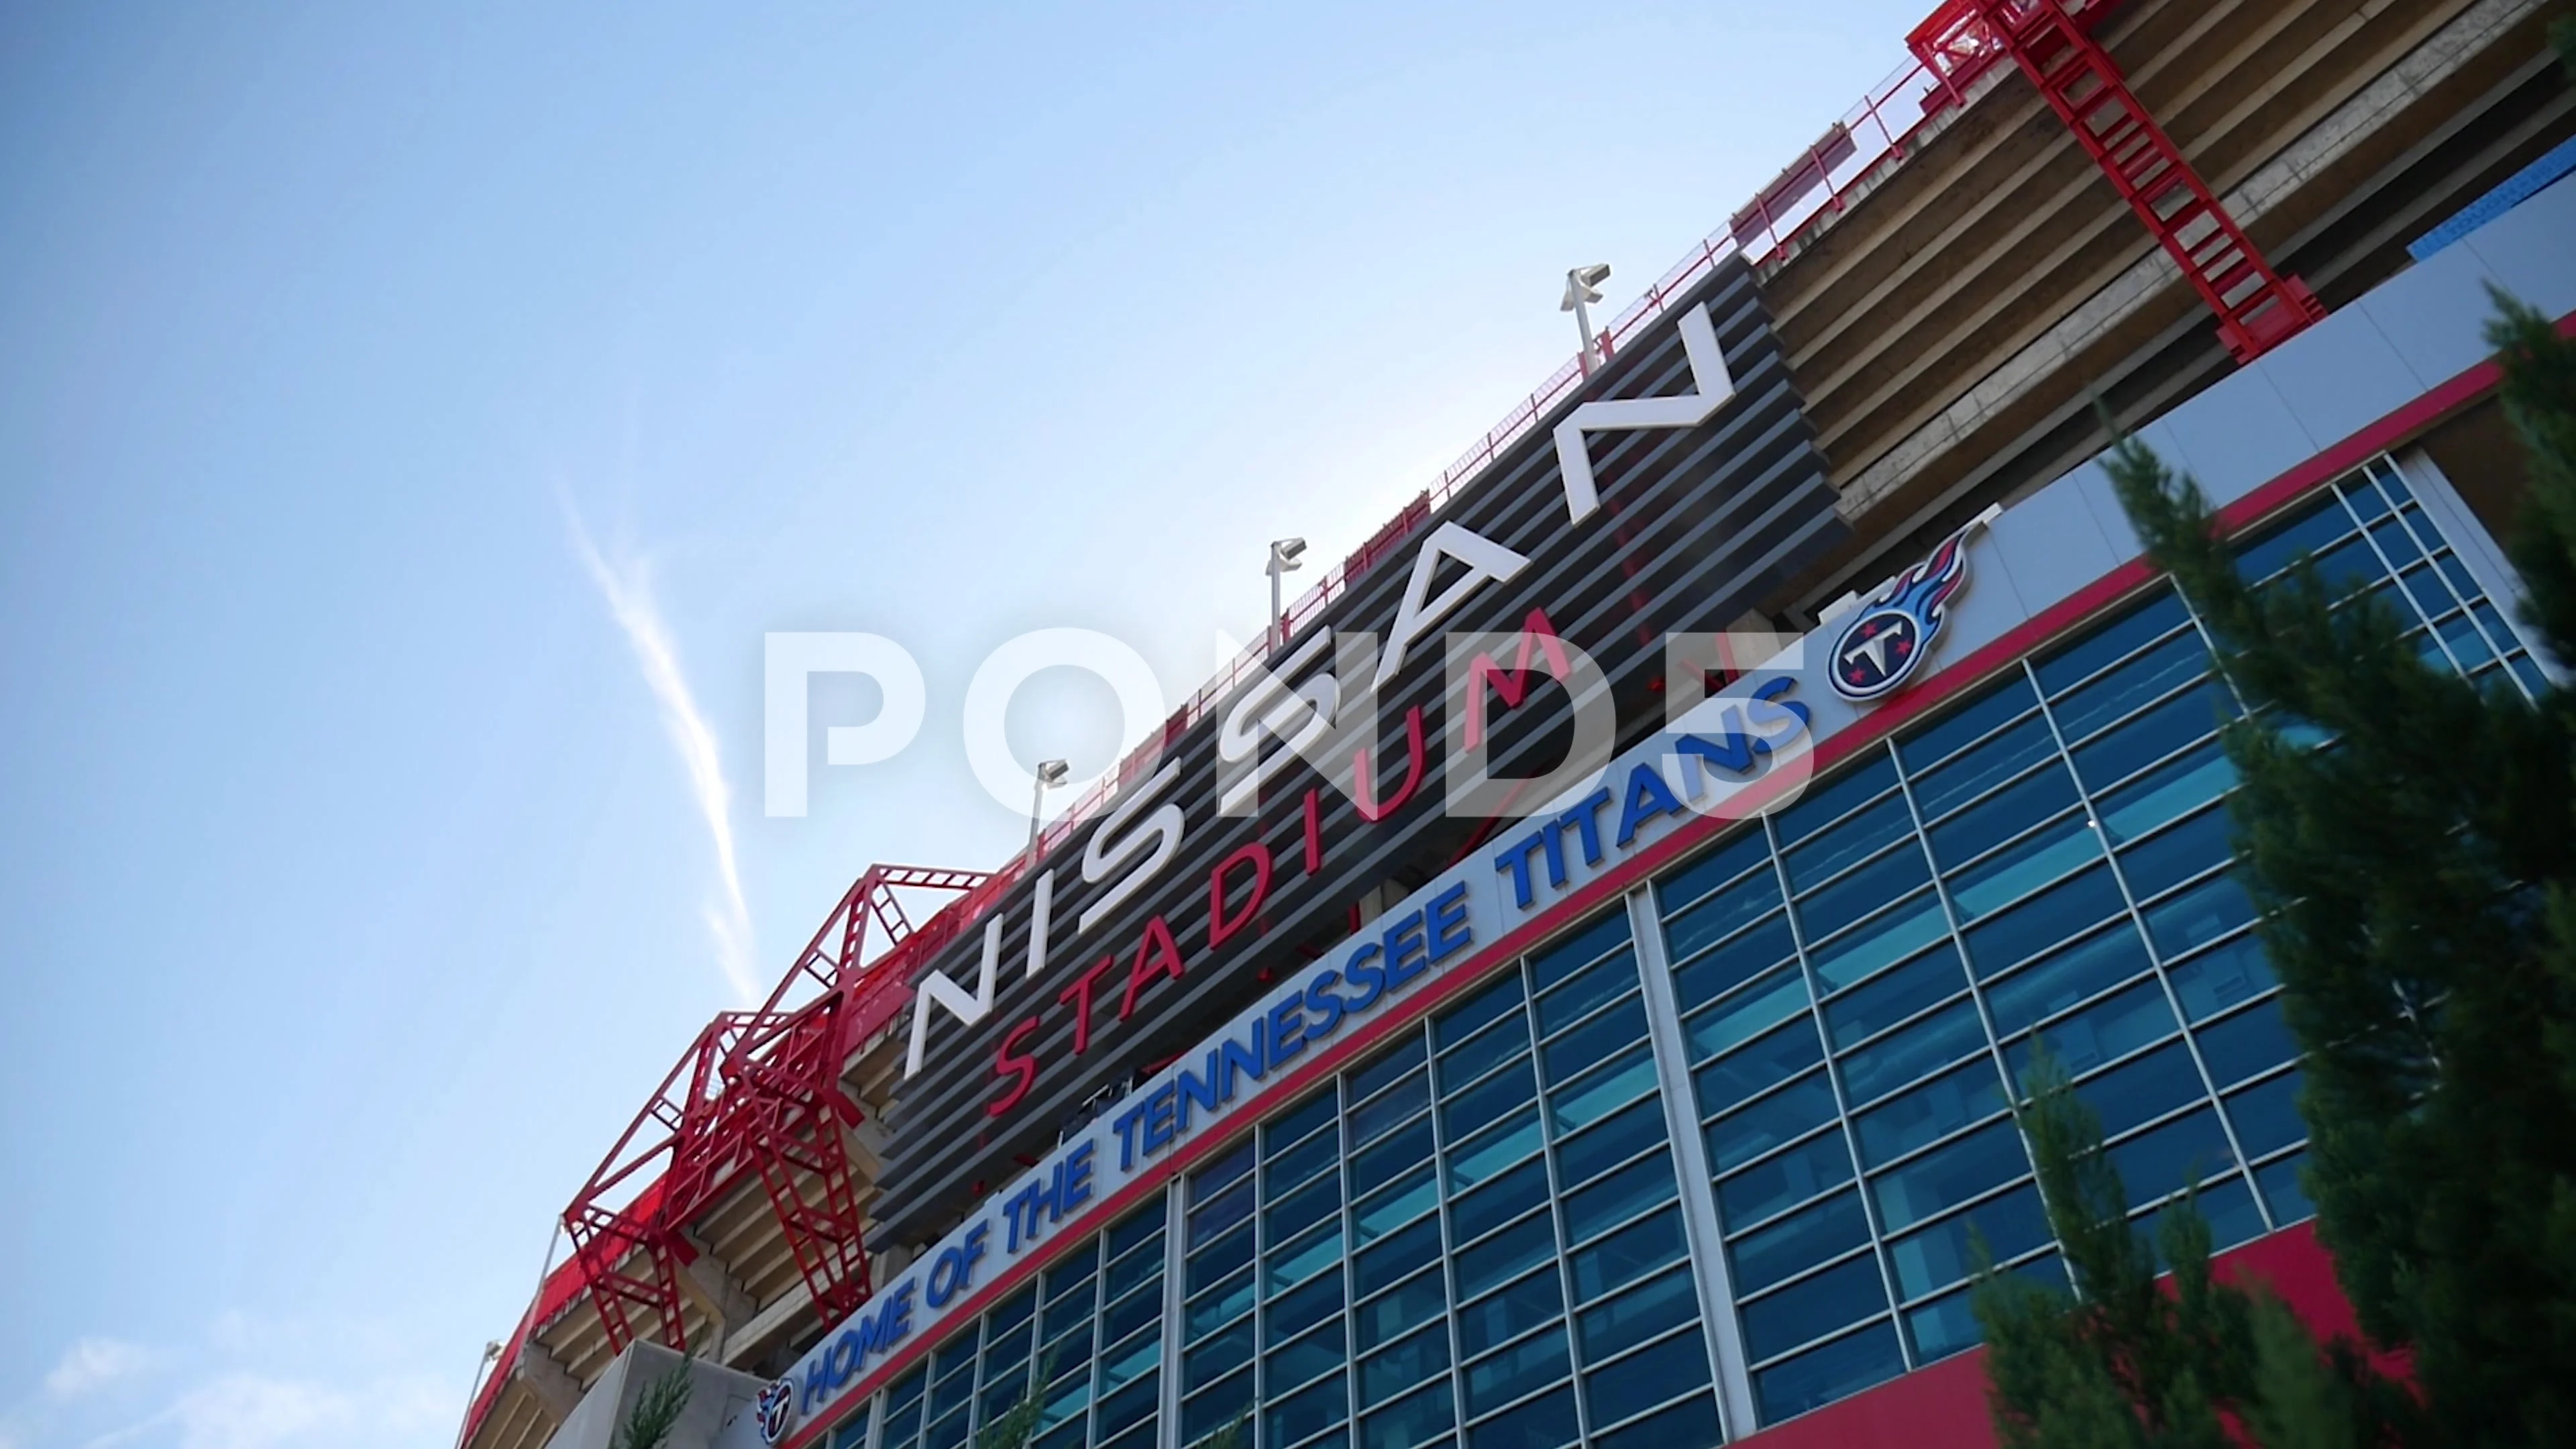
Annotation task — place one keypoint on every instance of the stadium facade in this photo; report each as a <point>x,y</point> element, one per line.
<point>1313,1076</point>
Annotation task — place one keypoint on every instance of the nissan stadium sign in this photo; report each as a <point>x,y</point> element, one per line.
<point>1426,715</point>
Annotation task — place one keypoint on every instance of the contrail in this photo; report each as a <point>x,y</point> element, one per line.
<point>627,589</point>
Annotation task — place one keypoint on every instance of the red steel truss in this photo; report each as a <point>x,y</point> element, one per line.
<point>759,1092</point>
<point>2257,307</point>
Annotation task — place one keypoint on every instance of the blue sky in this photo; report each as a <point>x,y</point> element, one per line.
<point>410,423</point>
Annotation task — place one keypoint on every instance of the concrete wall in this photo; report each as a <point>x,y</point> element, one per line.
<point>717,1395</point>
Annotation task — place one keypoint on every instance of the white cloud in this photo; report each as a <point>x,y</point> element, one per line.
<point>249,1411</point>
<point>626,586</point>
<point>92,1364</point>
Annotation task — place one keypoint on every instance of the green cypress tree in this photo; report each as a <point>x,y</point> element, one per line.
<point>2128,1361</point>
<point>2417,876</point>
<point>656,1411</point>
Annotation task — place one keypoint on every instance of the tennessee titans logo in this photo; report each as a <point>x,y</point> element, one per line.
<point>1895,629</point>
<point>777,1410</point>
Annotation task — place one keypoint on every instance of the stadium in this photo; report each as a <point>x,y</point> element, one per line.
<point>1310,1077</point>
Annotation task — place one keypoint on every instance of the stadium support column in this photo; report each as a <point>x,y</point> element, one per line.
<point>2052,40</point>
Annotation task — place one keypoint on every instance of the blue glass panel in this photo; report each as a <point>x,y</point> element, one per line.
<point>1559,961</point>
<point>1641,1381</point>
<point>1832,851</point>
<point>1593,1042</point>
<point>1621,1081</point>
<point>2077,973</point>
<point>948,1433</point>
<point>1411,1421</point>
<point>1930,1112</point>
<point>2305,534</point>
<point>1757,1066</point>
<point>1382,1163</point>
<point>1418,1301</point>
<point>1309,1411</point>
<point>1489,1005</point>
<point>2167,792</point>
<point>1998,818</point>
<point>1216,1407</point>
<point>1891,998</point>
<point>2267,1115</point>
<point>2245,1044</point>
<point>1595,1150</point>
<point>2143,1090</point>
<point>2018,869</point>
<point>1473,1162</point>
<point>1132,1312</point>
<point>2227,1206</point>
<point>1626,1255</point>
<point>1370,1079</point>
<point>1542,1423</point>
<point>2177,855</point>
<point>1505,1255</point>
<point>1137,1229</point>
<point>1795,1244</point>
<point>1577,998</point>
<point>2199,915</point>
<point>1299,1261</point>
<point>1973,723</point>
<point>2398,544</point>
<point>1220,1212</point>
<point>1912,1052</point>
<point>1685,886</point>
<point>1489,1100</point>
<point>2281,1189</point>
<point>1732,964</point>
<point>1790,1112</point>
<point>1205,1182</point>
<point>1536,1299</point>
<point>1947,1325</point>
<point>2425,590</point>
<point>1303,1209</point>
<point>1402,1365</point>
<point>1475,1214</point>
<point>1481,1053</point>
<point>1890,937</point>
<point>1783,1181</point>
<point>1748,1013</point>
<point>1215,1357</point>
<point>1822,805</point>
<point>1813,1307</point>
<point>1990,764</point>
<point>2187,718</point>
<point>1946,1252</point>
<point>1690,1424</point>
<point>1408,1199</point>
<point>1299,1121</point>
<point>1721,915</point>
<point>1836,1370</point>
<point>2162,1159</point>
<point>1220,1306</point>
<point>2044,920</point>
<point>2115,640</point>
<point>1220,1258</point>
<point>1664,1302</point>
<point>1863,891</point>
<point>1620,1196</point>
<point>1946,1176</point>
<point>2091,706</point>
<point>1124,1363</point>
<point>1529,1365</point>
<point>2115,1027</point>
<point>1394,1256</point>
<point>1372,1118</point>
<point>1303,1358</point>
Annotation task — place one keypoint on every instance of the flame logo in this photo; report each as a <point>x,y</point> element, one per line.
<point>1892,632</point>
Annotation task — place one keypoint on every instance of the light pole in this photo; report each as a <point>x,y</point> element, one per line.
<point>1050,774</point>
<point>1582,284</point>
<point>1284,554</point>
